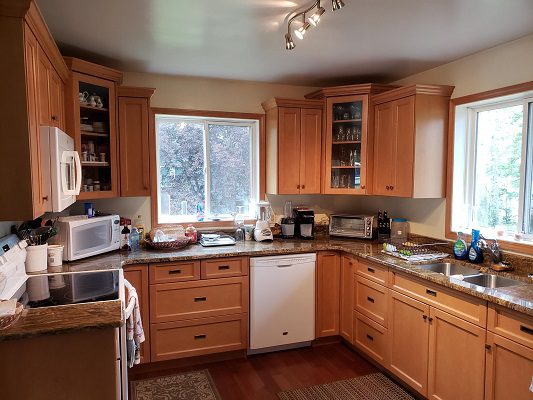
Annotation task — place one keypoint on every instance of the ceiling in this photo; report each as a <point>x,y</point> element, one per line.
<point>368,40</point>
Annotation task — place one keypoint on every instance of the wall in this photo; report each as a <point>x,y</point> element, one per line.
<point>503,65</point>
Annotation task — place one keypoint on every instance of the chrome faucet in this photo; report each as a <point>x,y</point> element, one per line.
<point>493,249</point>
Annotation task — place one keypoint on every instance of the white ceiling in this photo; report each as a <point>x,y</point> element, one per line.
<point>368,40</point>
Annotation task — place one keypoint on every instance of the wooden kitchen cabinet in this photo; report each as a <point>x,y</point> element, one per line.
<point>51,93</point>
<point>509,369</point>
<point>347,296</point>
<point>94,128</point>
<point>293,146</point>
<point>328,270</point>
<point>137,275</point>
<point>409,341</point>
<point>410,131</point>
<point>456,358</point>
<point>134,148</point>
<point>26,41</point>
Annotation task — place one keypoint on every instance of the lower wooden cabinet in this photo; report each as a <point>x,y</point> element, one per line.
<point>137,275</point>
<point>347,287</point>
<point>371,338</point>
<point>409,340</point>
<point>198,337</point>
<point>328,270</point>
<point>509,369</point>
<point>456,358</point>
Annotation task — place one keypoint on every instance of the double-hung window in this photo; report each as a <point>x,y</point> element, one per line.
<point>207,168</point>
<point>493,167</point>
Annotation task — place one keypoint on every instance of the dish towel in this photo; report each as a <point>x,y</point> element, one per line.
<point>134,330</point>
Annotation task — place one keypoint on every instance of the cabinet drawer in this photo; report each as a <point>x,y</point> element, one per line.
<point>224,267</point>
<point>174,272</point>
<point>370,338</point>
<point>198,299</point>
<point>375,273</point>
<point>193,338</point>
<point>466,307</point>
<point>512,325</point>
<point>371,300</point>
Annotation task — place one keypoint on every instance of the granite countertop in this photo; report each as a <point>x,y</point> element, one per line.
<point>78,316</point>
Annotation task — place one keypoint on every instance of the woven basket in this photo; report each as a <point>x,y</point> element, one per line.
<point>172,245</point>
<point>6,322</point>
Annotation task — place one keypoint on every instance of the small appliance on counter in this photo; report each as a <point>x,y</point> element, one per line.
<point>305,223</point>
<point>83,237</point>
<point>287,223</point>
<point>262,230</point>
<point>353,226</point>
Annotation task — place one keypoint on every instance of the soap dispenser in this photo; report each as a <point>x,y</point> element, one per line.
<point>475,254</point>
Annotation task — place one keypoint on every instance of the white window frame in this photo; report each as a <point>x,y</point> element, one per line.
<point>252,124</point>
<point>465,141</point>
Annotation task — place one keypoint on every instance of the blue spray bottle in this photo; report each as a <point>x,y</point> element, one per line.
<point>475,254</point>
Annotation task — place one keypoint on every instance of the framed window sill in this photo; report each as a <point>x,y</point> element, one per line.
<point>203,225</point>
<point>506,242</point>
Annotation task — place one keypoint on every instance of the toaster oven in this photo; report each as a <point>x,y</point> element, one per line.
<point>353,226</point>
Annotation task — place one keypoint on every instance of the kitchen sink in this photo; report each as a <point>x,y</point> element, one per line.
<point>449,269</point>
<point>492,281</point>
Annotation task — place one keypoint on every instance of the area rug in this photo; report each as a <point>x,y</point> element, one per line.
<point>194,385</point>
<point>368,387</point>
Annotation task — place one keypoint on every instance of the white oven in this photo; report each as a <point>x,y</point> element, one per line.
<point>84,237</point>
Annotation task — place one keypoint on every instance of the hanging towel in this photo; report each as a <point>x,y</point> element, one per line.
<point>134,328</point>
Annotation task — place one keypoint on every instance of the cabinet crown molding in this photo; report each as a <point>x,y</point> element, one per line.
<point>89,68</point>
<point>406,91</point>
<point>135,91</point>
<point>300,103</point>
<point>349,90</point>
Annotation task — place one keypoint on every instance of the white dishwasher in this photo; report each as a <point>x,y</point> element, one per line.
<point>282,302</point>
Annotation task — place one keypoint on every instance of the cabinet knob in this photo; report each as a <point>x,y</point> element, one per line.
<point>363,187</point>
<point>297,186</point>
<point>392,187</point>
<point>430,319</point>
<point>45,198</point>
<point>303,186</point>
<point>424,317</point>
<point>54,117</point>
<point>387,187</point>
<point>488,347</point>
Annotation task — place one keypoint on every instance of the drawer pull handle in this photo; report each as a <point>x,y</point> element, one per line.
<point>198,299</point>
<point>371,270</point>
<point>370,299</point>
<point>174,271</point>
<point>431,292</point>
<point>198,337</point>
<point>222,267</point>
<point>369,337</point>
<point>527,330</point>
<point>285,333</point>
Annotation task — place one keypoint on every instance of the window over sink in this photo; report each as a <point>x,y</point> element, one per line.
<point>207,167</point>
<point>492,186</point>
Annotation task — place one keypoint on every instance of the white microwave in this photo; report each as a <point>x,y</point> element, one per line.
<point>83,237</point>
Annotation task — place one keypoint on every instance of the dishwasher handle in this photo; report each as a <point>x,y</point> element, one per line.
<point>285,265</point>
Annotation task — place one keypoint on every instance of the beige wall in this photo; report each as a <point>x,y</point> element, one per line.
<point>503,65</point>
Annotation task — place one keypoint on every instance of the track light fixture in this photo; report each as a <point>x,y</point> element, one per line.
<point>306,23</point>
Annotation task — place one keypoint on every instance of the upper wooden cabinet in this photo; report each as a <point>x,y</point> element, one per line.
<point>133,117</point>
<point>94,127</point>
<point>410,128</point>
<point>293,146</point>
<point>31,85</point>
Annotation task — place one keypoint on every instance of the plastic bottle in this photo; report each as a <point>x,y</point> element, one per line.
<point>199,212</point>
<point>475,255</point>
<point>134,239</point>
<point>460,248</point>
<point>141,227</point>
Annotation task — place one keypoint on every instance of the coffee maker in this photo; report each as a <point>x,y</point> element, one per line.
<point>305,223</point>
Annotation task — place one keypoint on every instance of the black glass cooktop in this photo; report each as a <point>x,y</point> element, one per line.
<point>50,290</point>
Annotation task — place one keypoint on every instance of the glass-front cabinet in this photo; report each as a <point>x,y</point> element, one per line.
<point>346,145</point>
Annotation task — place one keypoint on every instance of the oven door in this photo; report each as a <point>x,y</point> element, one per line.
<point>90,237</point>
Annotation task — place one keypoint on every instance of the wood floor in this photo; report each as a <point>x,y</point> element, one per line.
<point>262,376</point>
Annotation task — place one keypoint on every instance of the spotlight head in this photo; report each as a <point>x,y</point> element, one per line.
<point>300,32</point>
<point>315,18</point>
<point>289,43</point>
<point>337,4</point>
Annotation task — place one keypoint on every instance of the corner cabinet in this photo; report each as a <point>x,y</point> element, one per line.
<point>410,131</point>
<point>293,146</point>
<point>328,271</point>
<point>133,127</point>
<point>94,126</point>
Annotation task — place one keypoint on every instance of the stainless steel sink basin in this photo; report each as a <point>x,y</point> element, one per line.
<point>449,269</point>
<point>492,281</point>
